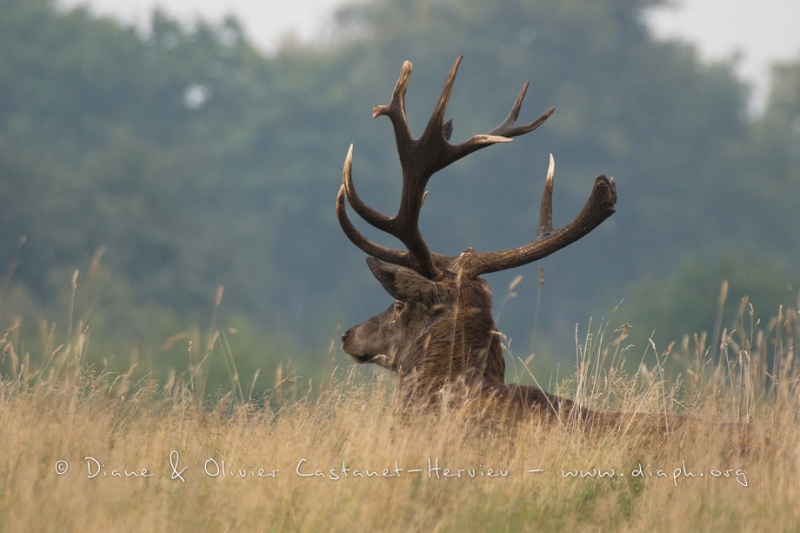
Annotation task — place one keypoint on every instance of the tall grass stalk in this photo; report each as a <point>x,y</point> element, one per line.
<point>91,450</point>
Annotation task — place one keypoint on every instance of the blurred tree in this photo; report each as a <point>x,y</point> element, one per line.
<point>196,161</point>
<point>642,110</point>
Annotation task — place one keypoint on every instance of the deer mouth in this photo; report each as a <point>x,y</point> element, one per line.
<point>379,359</point>
<point>353,351</point>
<point>360,354</point>
<point>364,358</point>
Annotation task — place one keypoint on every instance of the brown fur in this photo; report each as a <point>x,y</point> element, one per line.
<point>439,335</point>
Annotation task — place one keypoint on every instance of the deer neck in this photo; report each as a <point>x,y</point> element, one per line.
<point>463,346</point>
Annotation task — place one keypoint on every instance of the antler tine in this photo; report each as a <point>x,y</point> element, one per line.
<point>598,207</point>
<point>436,125</point>
<point>396,108</point>
<point>510,128</point>
<point>546,211</point>
<point>505,131</point>
<point>356,237</point>
<point>376,218</point>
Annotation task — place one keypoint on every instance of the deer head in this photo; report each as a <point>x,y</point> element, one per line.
<point>440,328</point>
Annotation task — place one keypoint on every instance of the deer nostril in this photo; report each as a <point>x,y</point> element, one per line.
<point>345,335</point>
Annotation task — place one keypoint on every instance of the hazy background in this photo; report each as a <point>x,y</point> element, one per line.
<point>163,155</point>
<point>756,32</point>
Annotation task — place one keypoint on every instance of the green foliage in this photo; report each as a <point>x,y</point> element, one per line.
<point>194,161</point>
<point>705,294</point>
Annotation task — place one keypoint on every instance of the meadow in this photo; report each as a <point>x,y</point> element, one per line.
<point>86,449</point>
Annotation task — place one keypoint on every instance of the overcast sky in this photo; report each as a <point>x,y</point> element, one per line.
<point>759,31</point>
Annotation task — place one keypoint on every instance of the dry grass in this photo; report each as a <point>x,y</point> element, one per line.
<point>97,452</point>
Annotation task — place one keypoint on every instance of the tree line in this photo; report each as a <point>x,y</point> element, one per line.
<point>178,160</point>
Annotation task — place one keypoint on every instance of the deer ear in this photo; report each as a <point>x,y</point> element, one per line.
<point>403,283</point>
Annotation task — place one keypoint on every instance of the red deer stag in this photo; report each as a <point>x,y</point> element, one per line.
<point>440,333</point>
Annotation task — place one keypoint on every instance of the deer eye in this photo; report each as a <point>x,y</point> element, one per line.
<point>399,306</point>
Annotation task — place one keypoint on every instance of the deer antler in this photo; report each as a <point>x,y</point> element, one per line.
<point>421,158</point>
<point>598,207</point>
